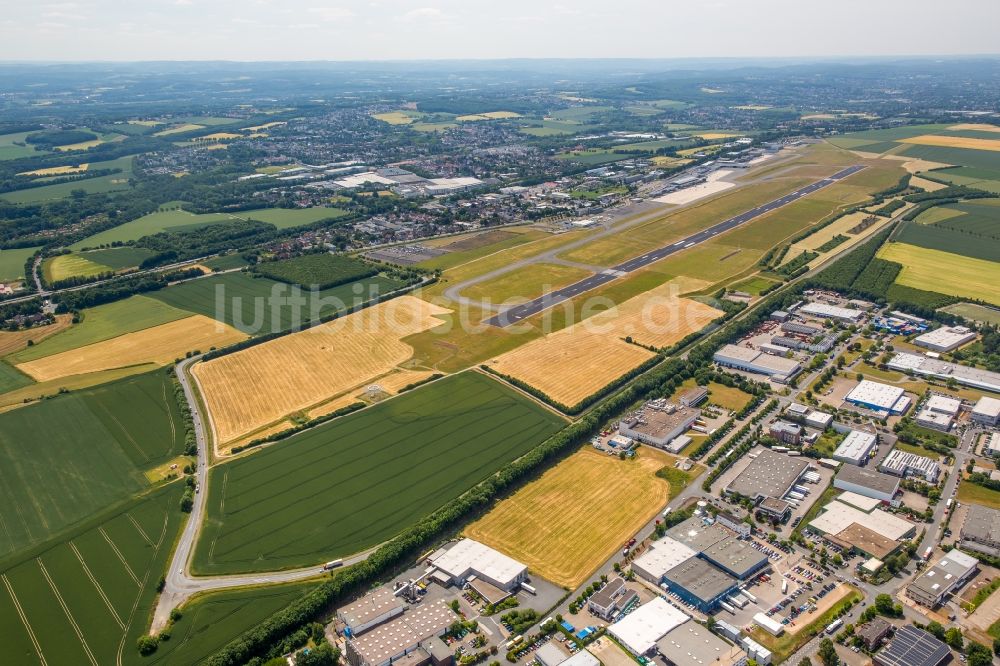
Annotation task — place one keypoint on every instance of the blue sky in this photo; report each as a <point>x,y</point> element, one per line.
<point>418,29</point>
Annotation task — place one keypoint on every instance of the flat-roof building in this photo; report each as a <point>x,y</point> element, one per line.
<point>778,368</point>
<point>866,482</point>
<point>824,311</point>
<point>873,632</point>
<point>987,411</point>
<point>991,446</point>
<point>374,608</point>
<point>931,367</point>
<point>864,540</point>
<point>693,397</point>
<point>658,423</point>
<point>700,584</point>
<point>857,447</point>
<point>786,432</point>
<point>951,572</point>
<point>581,658</point>
<point>906,464</point>
<point>912,647</point>
<point>468,557</point>
<point>737,558</point>
<point>642,628</point>
<point>934,420</point>
<point>769,624</point>
<point>770,474</point>
<point>697,534</point>
<point>661,556</point>
<point>801,329</point>
<point>981,531</point>
<point>730,521</point>
<point>943,404</point>
<point>878,397</point>
<point>837,517</point>
<point>404,635</point>
<point>693,645</point>
<point>818,419</point>
<point>945,339</point>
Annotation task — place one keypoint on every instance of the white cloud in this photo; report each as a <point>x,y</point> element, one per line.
<point>424,13</point>
<point>331,13</point>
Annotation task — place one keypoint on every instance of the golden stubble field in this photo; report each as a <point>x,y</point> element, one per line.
<point>249,389</point>
<point>570,364</point>
<point>944,272</point>
<point>953,142</point>
<point>572,519</point>
<point>158,344</point>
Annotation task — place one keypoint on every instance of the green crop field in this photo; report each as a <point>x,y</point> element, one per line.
<point>980,159</point>
<point>69,457</point>
<point>322,269</point>
<point>12,263</point>
<point>359,480</point>
<point>968,234</point>
<point>212,620</point>
<point>983,179</point>
<point>13,146</point>
<point>117,258</point>
<point>11,378</point>
<point>245,303</point>
<point>975,312</point>
<point>104,322</point>
<point>111,183</point>
<point>182,220</point>
<point>64,266</point>
<point>86,597</point>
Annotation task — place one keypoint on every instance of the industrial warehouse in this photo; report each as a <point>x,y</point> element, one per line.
<point>932,367</point>
<point>867,482</point>
<point>879,397</point>
<point>912,647</point>
<point>660,423</point>
<point>981,531</point>
<point>938,412</point>
<point>857,448</point>
<point>777,368</point>
<point>490,572</point>
<point>945,339</point>
<point>950,573</point>
<point>770,474</point>
<point>905,464</point>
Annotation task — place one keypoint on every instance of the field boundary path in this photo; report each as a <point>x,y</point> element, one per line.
<point>518,312</point>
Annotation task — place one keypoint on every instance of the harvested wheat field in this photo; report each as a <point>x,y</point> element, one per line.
<point>953,142</point>
<point>257,386</point>
<point>929,185</point>
<point>158,344</point>
<point>572,519</point>
<point>12,341</point>
<point>573,363</point>
<point>56,171</point>
<point>981,127</point>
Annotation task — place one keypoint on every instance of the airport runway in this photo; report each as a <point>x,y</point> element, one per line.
<point>516,313</point>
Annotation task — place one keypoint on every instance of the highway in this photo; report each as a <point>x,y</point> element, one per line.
<point>516,313</point>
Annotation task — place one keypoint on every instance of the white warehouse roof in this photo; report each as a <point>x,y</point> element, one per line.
<point>832,311</point>
<point>468,555</point>
<point>987,406</point>
<point>640,629</point>
<point>945,338</point>
<point>855,447</point>
<point>837,517</point>
<point>882,396</point>
<point>662,556</point>
<point>866,504</point>
<point>943,405</point>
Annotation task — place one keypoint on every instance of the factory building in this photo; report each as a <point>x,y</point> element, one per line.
<point>693,645</point>
<point>824,311</point>
<point>986,411</point>
<point>661,556</point>
<point>930,367</point>
<point>991,445</point>
<point>780,369</point>
<point>810,417</point>
<point>878,397</point>
<point>737,558</point>
<point>413,634</point>
<point>611,599</point>
<point>945,339</point>
<point>469,558</point>
<point>639,631</point>
<point>700,584</point>
<point>866,482</point>
<point>981,531</point>
<point>730,521</point>
<point>693,397</point>
<point>905,464</point>
<point>376,607</point>
<point>939,412</point>
<point>950,573</point>
<point>770,474</point>
<point>857,448</point>
<point>659,423</point>
<point>801,329</point>
<point>838,516</point>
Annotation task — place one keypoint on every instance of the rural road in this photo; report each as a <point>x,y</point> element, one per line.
<point>180,584</point>
<point>518,312</point>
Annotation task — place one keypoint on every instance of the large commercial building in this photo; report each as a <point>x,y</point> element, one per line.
<point>867,482</point>
<point>838,516</point>
<point>906,464</point>
<point>659,423</point>
<point>939,412</point>
<point>857,448</point>
<point>413,634</point>
<point>824,311</point>
<point>945,339</point>
<point>378,606</point>
<point>986,411</point>
<point>991,444</point>
<point>642,628</point>
<point>693,645</point>
<point>700,584</point>
<point>770,474</point>
<point>951,572</point>
<point>777,368</point>
<point>737,558</point>
<point>981,531</point>
<point>912,647</point>
<point>931,367</point>
<point>661,556</point>
<point>878,397</point>
<point>471,558</point>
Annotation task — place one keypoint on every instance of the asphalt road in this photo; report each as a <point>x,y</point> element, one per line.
<point>518,312</point>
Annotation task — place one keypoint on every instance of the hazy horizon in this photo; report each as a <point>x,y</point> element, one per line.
<point>400,30</point>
